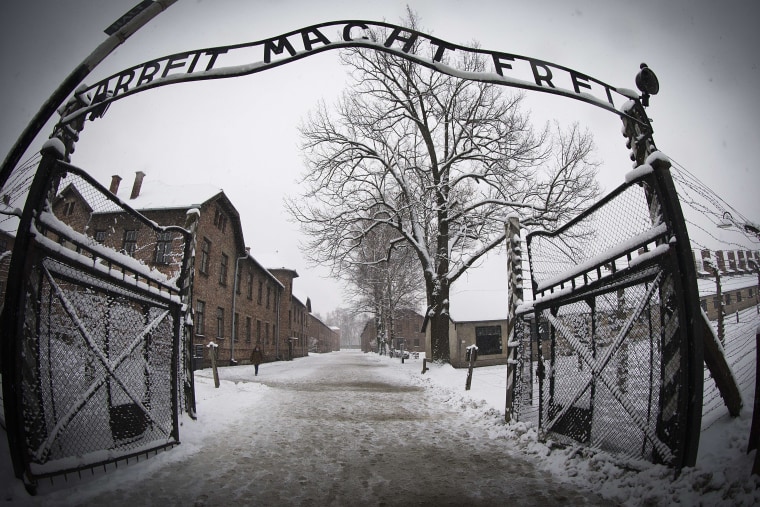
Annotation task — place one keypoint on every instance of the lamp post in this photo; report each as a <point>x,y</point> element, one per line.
<point>718,296</point>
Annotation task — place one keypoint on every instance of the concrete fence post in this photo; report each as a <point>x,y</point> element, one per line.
<point>514,274</point>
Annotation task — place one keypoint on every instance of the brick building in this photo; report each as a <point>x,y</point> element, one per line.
<point>407,326</point>
<point>236,301</point>
<point>739,280</point>
<point>322,338</point>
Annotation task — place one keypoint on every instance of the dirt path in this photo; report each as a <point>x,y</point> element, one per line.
<point>345,432</point>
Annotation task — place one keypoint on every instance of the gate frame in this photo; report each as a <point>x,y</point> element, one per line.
<point>43,185</point>
<point>636,124</point>
<point>662,192</point>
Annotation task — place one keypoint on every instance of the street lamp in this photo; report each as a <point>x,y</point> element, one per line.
<point>728,222</point>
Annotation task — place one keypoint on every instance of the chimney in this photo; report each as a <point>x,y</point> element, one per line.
<point>115,180</point>
<point>139,175</point>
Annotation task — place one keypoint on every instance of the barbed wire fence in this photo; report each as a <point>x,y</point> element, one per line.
<point>705,213</point>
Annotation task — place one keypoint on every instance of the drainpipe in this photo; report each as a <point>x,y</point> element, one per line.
<point>277,329</point>
<point>234,303</point>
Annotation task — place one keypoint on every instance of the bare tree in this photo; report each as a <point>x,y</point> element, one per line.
<point>382,283</point>
<point>439,160</point>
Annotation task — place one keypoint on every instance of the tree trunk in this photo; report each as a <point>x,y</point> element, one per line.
<point>439,327</point>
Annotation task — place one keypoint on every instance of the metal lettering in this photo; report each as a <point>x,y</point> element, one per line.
<point>175,62</point>
<point>149,70</point>
<point>272,46</point>
<point>547,76</point>
<point>347,31</point>
<point>307,41</point>
<point>408,41</point>
<point>524,72</point>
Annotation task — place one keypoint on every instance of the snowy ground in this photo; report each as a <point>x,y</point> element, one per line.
<point>367,413</point>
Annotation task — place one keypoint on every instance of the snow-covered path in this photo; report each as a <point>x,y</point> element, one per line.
<point>334,429</point>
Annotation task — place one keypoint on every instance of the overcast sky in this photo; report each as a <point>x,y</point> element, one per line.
<point>240,134</point>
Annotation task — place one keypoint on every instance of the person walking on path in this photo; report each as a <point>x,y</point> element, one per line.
<point>257,358</point>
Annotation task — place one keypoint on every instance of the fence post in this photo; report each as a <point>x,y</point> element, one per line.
<point>472,356</point>
<point>721,310</point>
<point>212,348</point>
<point>754,431</point>
<point>514,275</point>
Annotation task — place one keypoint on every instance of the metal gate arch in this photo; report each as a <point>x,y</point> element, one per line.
<point>94,343</point>
<point>37,263</point>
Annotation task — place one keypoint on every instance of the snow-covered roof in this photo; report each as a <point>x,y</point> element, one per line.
<point>160,195</point>
<point>706,286</point>
<point>478,305</point>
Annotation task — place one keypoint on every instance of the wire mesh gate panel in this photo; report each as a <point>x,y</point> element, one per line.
<point>97,329</point>
<point>604,355</point>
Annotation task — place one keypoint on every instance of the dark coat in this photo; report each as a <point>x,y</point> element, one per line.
<point>256,356</point>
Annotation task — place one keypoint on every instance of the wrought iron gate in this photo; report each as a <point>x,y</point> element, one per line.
<point>94,354</point>
<point>609,338</point>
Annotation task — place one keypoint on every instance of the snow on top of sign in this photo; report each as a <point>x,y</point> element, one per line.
<point>160,195</point>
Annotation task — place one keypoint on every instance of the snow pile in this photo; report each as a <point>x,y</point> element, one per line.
<point>720,477</point>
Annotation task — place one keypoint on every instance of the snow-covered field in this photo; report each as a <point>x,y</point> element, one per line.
<point>721,477</point>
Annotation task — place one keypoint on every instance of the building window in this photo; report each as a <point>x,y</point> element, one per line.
<point>261,290</point>
<point>250,285</point>
<point>198,351</point>
<point>163,248</point>
<point>205,254</point>
<point>739,297</point>
<point>751,294</point>
<point>269,294</point>
<point>3,244</point>
<point>716,303</point>
<point>266,333</point>
<point>728,299</point>
<point>220,323</point>
<point>237,326</point>
<point>488,339</point>
<point>223,270</point>
<point>68,208</point>
<point>220,220</point>
<point>130,242</point>
<point>100,236</point>
<point>247,330</point>
<point>258,331</point>
<point>703,304</point>
<point>200,320</point>
<point>238,275</point>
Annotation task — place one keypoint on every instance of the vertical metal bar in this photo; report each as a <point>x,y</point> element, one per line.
<point>13,313</point>
<point>754,432</point>
<point>689,312</point>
